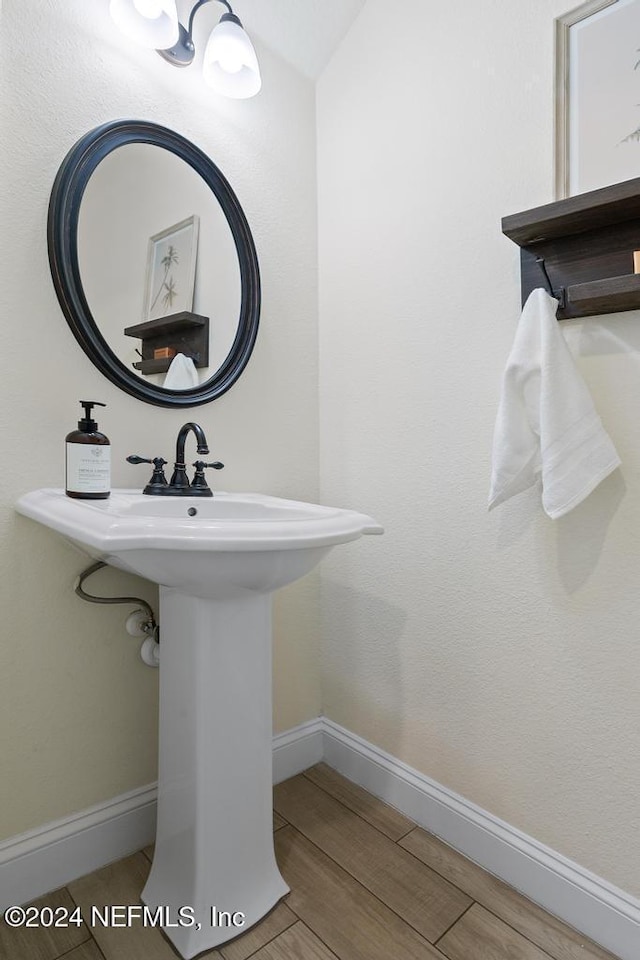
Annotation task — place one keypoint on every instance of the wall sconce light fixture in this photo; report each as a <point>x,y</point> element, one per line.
<point>230,65</point>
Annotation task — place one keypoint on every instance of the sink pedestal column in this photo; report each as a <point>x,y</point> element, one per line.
<point>214,842</point>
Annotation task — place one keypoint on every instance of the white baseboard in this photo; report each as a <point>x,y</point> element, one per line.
<point>51,856</point>
<point>298,749</point>
<point>593,906</point>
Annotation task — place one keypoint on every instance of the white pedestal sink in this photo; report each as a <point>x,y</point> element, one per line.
<point>217,562</point>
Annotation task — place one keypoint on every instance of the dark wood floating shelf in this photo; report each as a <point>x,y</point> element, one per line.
<point>606,296</point>
<point>184,332</point>
<point>586,244</point>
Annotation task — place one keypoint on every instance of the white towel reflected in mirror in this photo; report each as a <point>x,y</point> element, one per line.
<point>182,374</point>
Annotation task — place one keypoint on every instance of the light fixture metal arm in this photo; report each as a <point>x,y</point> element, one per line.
<point>182,54</point>
<point>197,6</point>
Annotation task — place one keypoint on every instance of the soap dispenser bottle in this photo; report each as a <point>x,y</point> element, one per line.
<point>88,458</point>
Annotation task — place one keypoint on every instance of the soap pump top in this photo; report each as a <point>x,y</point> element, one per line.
<point>87,424</point>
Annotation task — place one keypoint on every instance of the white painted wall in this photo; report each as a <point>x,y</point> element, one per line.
<point>77,707</point>
<point>499,654</point>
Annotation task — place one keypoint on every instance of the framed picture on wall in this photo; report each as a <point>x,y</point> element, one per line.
<point>597,96</point>
<point>171,269</point>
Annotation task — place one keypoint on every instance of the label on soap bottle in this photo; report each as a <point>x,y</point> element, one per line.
<point>88,468</point>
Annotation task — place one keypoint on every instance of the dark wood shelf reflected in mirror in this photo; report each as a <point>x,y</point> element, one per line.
<point>184,332</point>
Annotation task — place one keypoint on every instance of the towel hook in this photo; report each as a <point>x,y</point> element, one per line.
<point>559,294</point>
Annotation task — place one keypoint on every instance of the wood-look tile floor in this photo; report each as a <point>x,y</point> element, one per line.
<point>366,884</point>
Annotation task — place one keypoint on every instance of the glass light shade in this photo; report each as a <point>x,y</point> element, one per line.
<point>150,23</point>
<point>230,64</point>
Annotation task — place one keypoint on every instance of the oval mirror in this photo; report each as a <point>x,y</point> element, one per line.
<point>152,258</point>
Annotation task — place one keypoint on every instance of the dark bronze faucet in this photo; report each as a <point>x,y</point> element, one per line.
<point>179,485</point>
<point>179,480</point>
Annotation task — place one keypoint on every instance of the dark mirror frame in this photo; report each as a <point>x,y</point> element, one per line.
<point>62,238</point>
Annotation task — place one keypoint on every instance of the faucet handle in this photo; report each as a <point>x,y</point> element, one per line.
<point>200,465</point>
<point>134,458</point>
<point>158,480</point>
<point>199,483</point>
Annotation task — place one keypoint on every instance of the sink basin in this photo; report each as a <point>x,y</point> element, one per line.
<point>217,562</point>
<point>218,547</point>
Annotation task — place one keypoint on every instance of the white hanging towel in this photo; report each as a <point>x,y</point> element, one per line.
<point>546,423</point>
<point>182,374</point>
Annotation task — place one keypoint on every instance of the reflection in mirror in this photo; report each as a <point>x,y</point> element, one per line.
<point>136,193</point>
<point>110,271</point>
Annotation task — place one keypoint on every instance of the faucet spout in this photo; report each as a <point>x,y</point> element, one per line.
<point>201,440</point>
<point>179,481</point>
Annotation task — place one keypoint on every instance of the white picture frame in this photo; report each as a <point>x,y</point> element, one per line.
<point>171,270</point>
<point>597,96</point>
